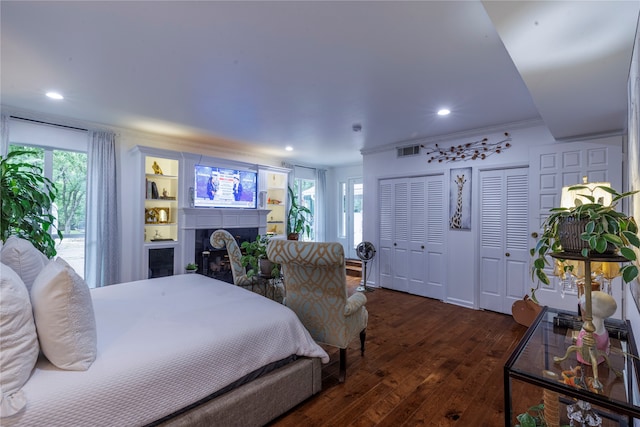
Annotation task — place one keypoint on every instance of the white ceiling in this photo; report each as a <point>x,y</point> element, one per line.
<point>263,75</point>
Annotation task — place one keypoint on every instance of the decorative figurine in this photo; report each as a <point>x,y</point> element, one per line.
<point>156,168</point>
<point>602,306</point>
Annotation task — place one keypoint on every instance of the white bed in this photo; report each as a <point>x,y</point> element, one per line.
<point>163,344</point>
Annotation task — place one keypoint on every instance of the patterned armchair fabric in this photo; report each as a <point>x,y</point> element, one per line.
<point>316,290</point>
<point>221,238</point>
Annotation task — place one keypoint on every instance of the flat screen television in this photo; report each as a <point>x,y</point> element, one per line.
<point>225,188</point>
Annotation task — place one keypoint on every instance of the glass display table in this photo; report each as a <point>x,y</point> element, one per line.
<point>531,376</point>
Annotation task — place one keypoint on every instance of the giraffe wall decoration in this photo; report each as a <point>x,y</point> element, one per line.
<point>460,199</point>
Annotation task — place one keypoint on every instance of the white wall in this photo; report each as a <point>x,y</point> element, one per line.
<point>461,245</point>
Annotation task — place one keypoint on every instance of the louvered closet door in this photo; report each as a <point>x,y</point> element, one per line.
<point>504,239</point>
<point>411,252</point>
<point>400,244</point>
<point>394,234</point>
<point>416,235</point>
<point>385,245</point>
<point>428,269</point>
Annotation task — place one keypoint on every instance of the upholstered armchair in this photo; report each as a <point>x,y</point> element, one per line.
<point>221,238</point>
<point>315,284</point>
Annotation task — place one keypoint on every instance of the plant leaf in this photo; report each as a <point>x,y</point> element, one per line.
<point>601,244</point>
<point>613,239</point>
<point>632,238</point>
<point>542,277</point>
<point>629,272</point>
<point>628,254</point>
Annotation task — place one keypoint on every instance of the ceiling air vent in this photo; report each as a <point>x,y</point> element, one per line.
<point>412,150</point>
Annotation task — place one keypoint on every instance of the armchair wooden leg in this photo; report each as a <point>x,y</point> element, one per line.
<point>343,365</point>
<point>363,336</point>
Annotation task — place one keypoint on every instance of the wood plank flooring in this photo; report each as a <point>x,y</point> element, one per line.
<point>426,363</point>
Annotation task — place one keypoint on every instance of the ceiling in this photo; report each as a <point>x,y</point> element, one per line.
<point>263,75</point>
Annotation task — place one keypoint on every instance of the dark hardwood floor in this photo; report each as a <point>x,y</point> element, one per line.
<point>426,363</point>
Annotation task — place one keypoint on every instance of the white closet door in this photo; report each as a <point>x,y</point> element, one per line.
<point>435,247</point>
<point>385,246</point>
<point>412,224</point>
<point>417,266</point>
<point>517,240</point>
<point>394,234</point>
<point>401,233</point>
<point>504,242</point>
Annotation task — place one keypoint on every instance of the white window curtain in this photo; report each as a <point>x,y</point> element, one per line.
<point>102,241</point>
<point>321,214</point>
<point>4,142</point>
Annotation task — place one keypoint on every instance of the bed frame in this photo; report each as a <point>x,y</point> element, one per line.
<point>257,402</point>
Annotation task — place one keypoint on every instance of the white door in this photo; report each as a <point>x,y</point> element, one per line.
<point>385,245</point>
<point>504,240</point>
<point>354,216</point>
<point>400,242</point>
<point>411,247</point>
<point>558,165</point>
<point>428,271</point>
<point>394,234</point>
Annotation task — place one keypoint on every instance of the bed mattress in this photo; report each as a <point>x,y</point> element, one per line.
<point>163,344</point>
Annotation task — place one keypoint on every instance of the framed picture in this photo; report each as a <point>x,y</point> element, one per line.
<point>163,215</point>
<point>150,216</point>
<point>460,199</point>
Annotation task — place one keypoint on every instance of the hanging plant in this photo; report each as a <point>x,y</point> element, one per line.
<point>604,229</point>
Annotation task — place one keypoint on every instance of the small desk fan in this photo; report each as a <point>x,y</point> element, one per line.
<point>365,251</point>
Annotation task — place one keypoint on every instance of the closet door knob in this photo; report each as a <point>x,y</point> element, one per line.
<point>507,254</point>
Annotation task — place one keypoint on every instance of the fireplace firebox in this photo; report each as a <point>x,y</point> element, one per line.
<point>214,262</point>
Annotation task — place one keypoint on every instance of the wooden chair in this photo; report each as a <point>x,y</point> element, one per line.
<point>315,284</point>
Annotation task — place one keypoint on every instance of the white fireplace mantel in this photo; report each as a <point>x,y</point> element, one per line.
<point>198,218</point>
<point>192,219</point>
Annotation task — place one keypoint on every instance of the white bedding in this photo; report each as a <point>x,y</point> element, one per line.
<point>163,344</point>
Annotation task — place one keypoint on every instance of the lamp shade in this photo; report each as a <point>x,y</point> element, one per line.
<point>569,197</point>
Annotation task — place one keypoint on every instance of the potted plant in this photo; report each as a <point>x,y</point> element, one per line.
<point>534,417</point>
<point>191,268</point>
<point>27,200</point>
<point>601,229</point>
<point>254,258</point>
<point>298,218</point>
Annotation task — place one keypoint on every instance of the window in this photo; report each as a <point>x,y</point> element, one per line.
<point>61,153</point>
<point>342,219</point>
<point>305,191</point>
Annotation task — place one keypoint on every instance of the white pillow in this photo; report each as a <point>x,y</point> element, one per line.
<point>64,317</point>
<point>18,341</point>
<point>23,258</point>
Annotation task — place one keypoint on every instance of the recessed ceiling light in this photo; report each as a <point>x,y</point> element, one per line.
<point>444,112</point>
<point>288,148</point>
<point>54,95</point>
